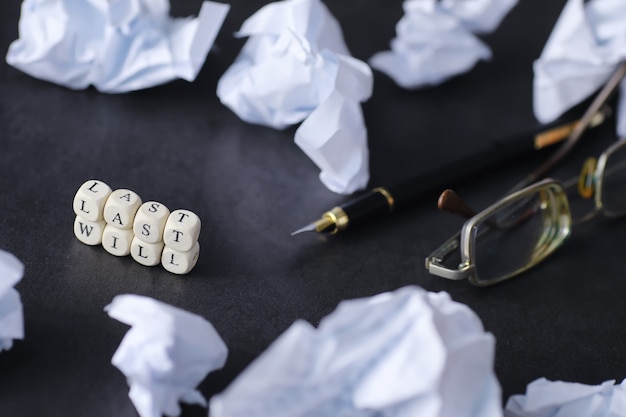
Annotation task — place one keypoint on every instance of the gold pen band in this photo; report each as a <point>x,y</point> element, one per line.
<point>335,217</point>
<point>338,219</point>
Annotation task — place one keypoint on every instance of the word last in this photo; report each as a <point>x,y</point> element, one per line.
<point>147,231</point>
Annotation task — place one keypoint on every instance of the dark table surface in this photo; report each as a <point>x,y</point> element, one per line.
<point>252,186</point>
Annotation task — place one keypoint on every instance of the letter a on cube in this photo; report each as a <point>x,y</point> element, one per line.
<point>121,208</point>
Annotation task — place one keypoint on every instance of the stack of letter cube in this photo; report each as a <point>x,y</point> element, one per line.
<point>148,232</point>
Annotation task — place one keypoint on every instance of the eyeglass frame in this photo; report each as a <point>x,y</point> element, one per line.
<point>434,266</point>
<point>465,239</point>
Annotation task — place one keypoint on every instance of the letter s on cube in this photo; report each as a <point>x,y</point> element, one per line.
<point>150,221</point>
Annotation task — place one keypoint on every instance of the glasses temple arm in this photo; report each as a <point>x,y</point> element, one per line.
<point>603,96</point>
<point>450,202</point>
<point>560,133</point>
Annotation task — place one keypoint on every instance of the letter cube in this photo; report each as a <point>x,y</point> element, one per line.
<point>182,230</point>
<point>117,241</point>
<point>180,262</point>
<point>148,254</point>
<point>120,208</point>
<point>90,199</point>
<point>88,232</point>
<point>150,221</point>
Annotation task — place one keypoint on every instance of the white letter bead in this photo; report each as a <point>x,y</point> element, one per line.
<point>117,241</point>
<point>150,221</point>
<point>120,208</point>
<point>88,232</point>
<point>180,262</point>
<point>148,254</point>
<point>90,199</point>
<point>182,230</point>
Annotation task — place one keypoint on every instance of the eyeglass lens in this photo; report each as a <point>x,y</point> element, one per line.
<point>613,190</point>
<point>518,235</point>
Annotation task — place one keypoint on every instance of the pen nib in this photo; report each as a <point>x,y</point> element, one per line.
<point>326,224</point>
<point>307,228</point>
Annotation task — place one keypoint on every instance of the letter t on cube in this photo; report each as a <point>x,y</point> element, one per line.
<point>182,230</point>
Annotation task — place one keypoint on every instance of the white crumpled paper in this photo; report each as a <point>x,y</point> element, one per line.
<point>114,45</point>
<point>405,353</point>
<point>479,16</point>
<point>435,41</point>
<point>296,66</point>
<point>584,49</point>
<point>165,355</point>
<point>11,312</point>
<point>567,399</point>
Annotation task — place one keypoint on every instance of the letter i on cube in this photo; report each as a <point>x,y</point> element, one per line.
<point>148,232</point>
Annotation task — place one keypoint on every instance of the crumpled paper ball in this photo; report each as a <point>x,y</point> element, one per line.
<point>11,311</point>
<point>115,45</point>
<point>165,355</point>
<point>435,40</point>
<point>287,67</point>
<point>404,353</point>
<point>295,66</point>
<point>546,398</point>
<point>584,49</point>
<point>334,135</point>
<point>479,16</point>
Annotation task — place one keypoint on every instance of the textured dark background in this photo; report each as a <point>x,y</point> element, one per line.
<point>252,186</point>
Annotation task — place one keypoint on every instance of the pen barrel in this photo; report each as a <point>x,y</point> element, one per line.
<point>429,185</point>
<point>369,207</point>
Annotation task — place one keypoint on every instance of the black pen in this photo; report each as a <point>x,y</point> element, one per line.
<point>379,202</point>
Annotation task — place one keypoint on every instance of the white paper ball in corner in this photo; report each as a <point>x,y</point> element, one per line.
<point>11,309</point>
<point>404,353</point>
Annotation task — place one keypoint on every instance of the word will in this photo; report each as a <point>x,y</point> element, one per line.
<point>120,222</point>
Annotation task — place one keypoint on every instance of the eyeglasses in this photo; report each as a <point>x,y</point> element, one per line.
<point>525,227</point>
